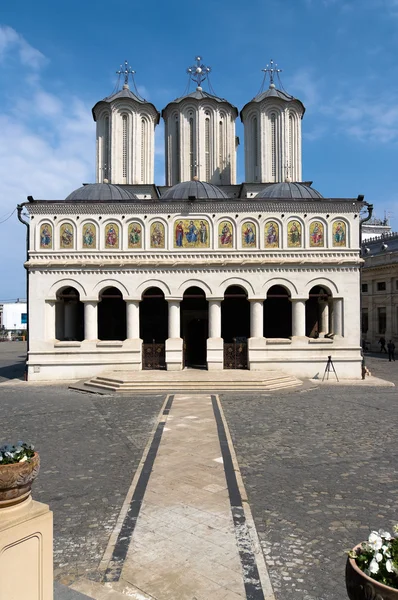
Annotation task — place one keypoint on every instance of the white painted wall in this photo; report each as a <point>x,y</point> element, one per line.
<point>12,315</point>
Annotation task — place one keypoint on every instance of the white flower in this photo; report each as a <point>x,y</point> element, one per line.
<point>375,541</point>
<point>389,566</point>
<point>374,566</point>
<point>24,459</point>
<point>386,551</point>
<point>378,556</point>
<point>384,534</point>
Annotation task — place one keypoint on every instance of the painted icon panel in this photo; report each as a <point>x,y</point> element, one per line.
<point>135,235</point>
<point>317,237</point>
<point>157,235</point>
<point>225,235</point>
<point>339,234</point>
<point>66,235</point>
<point>271,234</point>
<point>46,236</point>
<point>89,236</point>
<point>294,234</point>
<point>112,236</point>
<point>248,235</point>
<point>191,233</point>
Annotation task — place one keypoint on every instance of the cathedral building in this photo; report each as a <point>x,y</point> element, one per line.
<point>203,272</point>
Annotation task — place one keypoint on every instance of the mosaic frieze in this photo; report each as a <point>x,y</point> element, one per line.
<point>112,236</point>
<point>135,235</point>
<point>317,237</point>
<point>89,236</point>
<point>66,235</point>
<point>339,233</point>
<point>157,235</point>
<point>271,234</point>
<point>191,233</point>
<point>46,236</point>
<point>294,234</point>
<point>225,235</point>
<point>248,235</point>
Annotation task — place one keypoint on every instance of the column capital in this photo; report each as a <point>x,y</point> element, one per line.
<point>173,299</point>
<point>129,300</point>
<point>254,299</point>
<point>298,299</point>
<point>92,300</point>
<point>215,298</point>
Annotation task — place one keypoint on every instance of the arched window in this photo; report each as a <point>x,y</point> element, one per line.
<point>69,320</point>
<point>207,147</point>
<point>124,147</point>
<point>105,157</point>
<point>144,149</point>
<point>176,154</point>
<point>255,144</point>
<point>273,146</point>
<point>292,157</point>
<point>192,147</point>
<point>221,154</point>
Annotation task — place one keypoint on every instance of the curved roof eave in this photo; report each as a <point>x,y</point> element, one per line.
<point>198,96</point>
<point>279,96</point>
<point>130,96</point>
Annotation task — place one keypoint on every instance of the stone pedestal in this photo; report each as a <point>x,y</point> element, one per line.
<point>174,354</point>
<point>26,552</point>
<point>257,353</point>
<point>215,354</point>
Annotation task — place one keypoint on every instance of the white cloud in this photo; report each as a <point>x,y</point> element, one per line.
<point>11,41</point>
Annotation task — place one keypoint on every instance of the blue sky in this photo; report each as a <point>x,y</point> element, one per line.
<point>57,59</point>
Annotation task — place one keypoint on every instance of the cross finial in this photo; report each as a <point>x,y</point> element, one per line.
<point>126,71</point>
<point>198,72</point>
<point>271,69</point>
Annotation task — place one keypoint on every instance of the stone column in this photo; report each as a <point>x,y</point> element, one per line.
<point>338,317</point>
<point>257,342</point>
<point>215,343</point>
<point>174,358</point>
<point>298,317</point>
<point>133,343</point>
<point>323,317</point>
<point>90,320</point>
<point>50,319</point>
<point>70,310</point>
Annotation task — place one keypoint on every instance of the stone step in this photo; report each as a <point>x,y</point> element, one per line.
<point>109,591</point>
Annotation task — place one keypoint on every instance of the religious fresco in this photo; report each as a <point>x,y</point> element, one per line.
<point>89,236</point>
<point>225,235</point>
<point>248,235</point>
<point>317,238</point>
<point>66,236</point>
<point>46,236</point>
<point>112,236</point>
<point>191,233</point>
<point>294,234</point>
<point>157,235</point>
<point>135,235</point>
<point>339,234</point>
<point>271,234</point>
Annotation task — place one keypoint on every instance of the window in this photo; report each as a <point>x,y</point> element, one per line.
<point>365,320</point>
<point>364,287</point>
<point>382,319</point>
<point>24,318</point>
<point>381,286</point>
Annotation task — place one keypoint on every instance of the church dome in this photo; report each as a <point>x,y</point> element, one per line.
<point>294,191</point>
<point>199,190</point>
<point>100,191</point>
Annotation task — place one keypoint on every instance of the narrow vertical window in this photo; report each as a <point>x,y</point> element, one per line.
<point>105,158</point>
<point>273,146</point>
<point>124,148</point>
<point>291,167</point>
<point>221,146</point>
<point>144,148</point>
<point>191,149</point>
<point>207,148</point>
<point>177,149</point>
<point>255,145</point>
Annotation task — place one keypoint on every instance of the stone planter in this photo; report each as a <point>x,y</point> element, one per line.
<point>16,481</point>
<point>361,587</point>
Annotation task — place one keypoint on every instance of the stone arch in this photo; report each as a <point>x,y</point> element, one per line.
<point>195,283</point>
<point>140,289</point>
<point>69,315</point>
<point>107,283</point>
<point>243,283</point>
<point>288,285</point>
<point>64,283</point>
<point>325,282</point>
<point>278,311</point>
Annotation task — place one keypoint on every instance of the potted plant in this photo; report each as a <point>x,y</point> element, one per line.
<point>19,466</point>
<point>372,568</point>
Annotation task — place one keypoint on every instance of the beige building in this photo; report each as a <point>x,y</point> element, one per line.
<point>379,285</point>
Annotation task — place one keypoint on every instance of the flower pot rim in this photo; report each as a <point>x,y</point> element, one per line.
<point>21,463</point>
<point>370,579</point>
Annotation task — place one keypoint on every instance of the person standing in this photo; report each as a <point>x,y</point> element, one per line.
<point>391,350</point>
<point>382,342</point>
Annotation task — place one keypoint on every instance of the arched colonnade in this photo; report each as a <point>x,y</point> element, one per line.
<point>196,320</point>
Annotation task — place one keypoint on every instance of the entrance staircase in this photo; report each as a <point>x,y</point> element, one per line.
<point>192,380</point>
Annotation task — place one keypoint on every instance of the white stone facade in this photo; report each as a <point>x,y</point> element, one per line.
<point>174,270</point>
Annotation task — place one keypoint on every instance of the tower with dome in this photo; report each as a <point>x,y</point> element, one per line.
<point>202,272</point>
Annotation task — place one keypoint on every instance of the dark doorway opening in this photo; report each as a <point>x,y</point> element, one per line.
<point>194,327</point>
<point>153,328</point>
<point>235,327</point>
<point>313,309</point>
<point>69,318</point>
<point>278,313</point>
<point>112,315</point>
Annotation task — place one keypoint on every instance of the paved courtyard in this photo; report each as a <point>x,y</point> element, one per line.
<point>320,466</point>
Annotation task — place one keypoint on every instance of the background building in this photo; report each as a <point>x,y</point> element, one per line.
<point>13,317</point>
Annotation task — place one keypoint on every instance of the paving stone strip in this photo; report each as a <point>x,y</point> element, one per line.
<point>185,534</point>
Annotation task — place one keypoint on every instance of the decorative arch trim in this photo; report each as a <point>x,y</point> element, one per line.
<point>288,285</point>
<point>195,283</point>
<point>324,282</point>
<point>64,283</point>
<point>141,289</point>
<point>107,283</point>
<point>246,285</point>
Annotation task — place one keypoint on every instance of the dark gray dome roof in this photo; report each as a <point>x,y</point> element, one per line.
<point>273,92</point>
<point>290,190</point>
<point>196,189</point>
<point>100,191</point>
